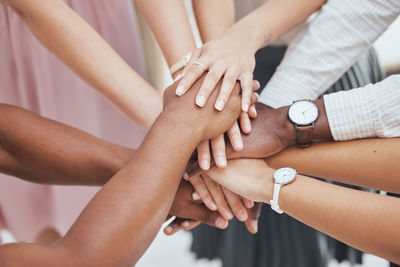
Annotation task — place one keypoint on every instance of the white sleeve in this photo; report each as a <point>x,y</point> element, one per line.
<point>370,111</point>
<point>341,32</point>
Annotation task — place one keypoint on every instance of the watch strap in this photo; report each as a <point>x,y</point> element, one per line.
<point>275,198</point>
<point>304,135</point>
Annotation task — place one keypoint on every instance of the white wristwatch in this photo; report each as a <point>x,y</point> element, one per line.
<point>282,176</point>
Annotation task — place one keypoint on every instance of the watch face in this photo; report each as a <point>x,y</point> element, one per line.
<point>303,112</point>
<point>284,175</point>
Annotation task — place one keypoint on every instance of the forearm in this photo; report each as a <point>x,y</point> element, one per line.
<point>138,197</point>
<point>213,18</point>
<point>274,18</point>
<point>327,48</point>
<point>43,151</point>
<point>363,220</point>
<point>170,25</point>
<point>369,163</point>
<point>123,218</point>
<point>78,45</point>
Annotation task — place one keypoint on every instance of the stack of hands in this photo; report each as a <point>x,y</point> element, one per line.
<point>206,194</point>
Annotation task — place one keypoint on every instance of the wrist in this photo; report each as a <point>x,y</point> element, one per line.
<point>285,130</point>
<point>268,186</point>
<point>189,134</point>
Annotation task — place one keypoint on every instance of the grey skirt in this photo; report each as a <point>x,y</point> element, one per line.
<point>281,240</point>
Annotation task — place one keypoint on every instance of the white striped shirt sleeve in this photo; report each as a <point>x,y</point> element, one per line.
<point>370,111</point>
<point>327,48</point>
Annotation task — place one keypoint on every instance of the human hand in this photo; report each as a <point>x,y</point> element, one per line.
<point>218,198</point>
<point>250,178</point>
<point>251,223</point>
<point>207,122</point>
<point>271,133</point>
<point>234,135</point>
<point>190,212</point>
<point>232,57</point>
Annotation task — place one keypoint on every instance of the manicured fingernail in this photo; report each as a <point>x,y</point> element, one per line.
<point>221,223</point>
<point>169,229</point>
<point>245,107</point>
<point>211,205</point>
<point>254,225</point>
<point>177,78</point>
<point>258,84</point>
<point>185,224</point>
<point>228,215</point>
<point>179,90</point>
<point>258,96</point>
<point>205,165</point>
<point>221,161</point>
<point>242,215</point>
<point>195,196</point>
<point>185,176</point>
<point>200,101</point>
<point>219,105</point>
<point>238,144</point>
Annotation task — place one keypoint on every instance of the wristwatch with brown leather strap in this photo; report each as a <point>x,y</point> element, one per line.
<point>303,114</point>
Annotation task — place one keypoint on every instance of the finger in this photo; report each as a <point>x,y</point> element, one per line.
<point>190,224</point>
<point>246,82</point>
<point>245,123</point>
<point>252,112</point>
<point>218,149</point>
<point>254,98</point>
<point>252,221</point>
<point>236,205</point>
<point>235,137</point>
<point>192,74</point>
<point>226,89</point>
<point>173,226</point>
<point>219,198</point>
<point>256,85</point>
<point>209,83</point>
<point>201,189</point>
<point>248,203</point>
<point>202,214</point>
<point>195,56</point>
<point>203,154</point>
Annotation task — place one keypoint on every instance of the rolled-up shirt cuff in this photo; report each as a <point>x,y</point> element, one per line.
<point>350,114</point>
<point>279,92</point>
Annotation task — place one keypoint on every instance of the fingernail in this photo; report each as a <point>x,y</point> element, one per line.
<point>219,105</point>
<point>248,127</point>
<point>228,215</point>
<point>242,215</point>
<point>185,176</point>
<point>258,96</point>
<point>186,224</point>
<point>221,161</point>
<point>212,205</point>
<point>179,90</point>
<point>245,107</point>
<point>200,101</point>
<point>177,78</point>
<point>238,144</point>
<point>169,229</point>
<point>254,225</point>
<point>221,223</point>
<point>195,196</point>
<point>253,110</point>
<point>205,165</point>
